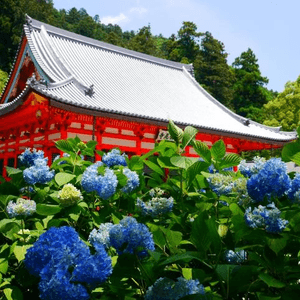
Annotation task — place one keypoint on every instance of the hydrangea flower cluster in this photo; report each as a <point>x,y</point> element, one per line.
<point>101,236</point>
<point>22,207</point>
<point>220,184</point>
<point>271,181</point>
<point>28,157</point>
<point>156,206</point>
<point>66,268</point>
<point>294,191</point>
<point>39,172</point>
<point>168,289</point>
<point>267,217</point>
<point>114,158</point>
<point>128,233</point>
<point>133,180</point>
<point>105,185</point>
<point>69,195</point>
<point>240,188</point>
<point>248,170</point>
<point>27,189</point>
<point>235,257</point>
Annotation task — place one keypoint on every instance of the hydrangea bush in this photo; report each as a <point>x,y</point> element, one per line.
<point>113,229</point>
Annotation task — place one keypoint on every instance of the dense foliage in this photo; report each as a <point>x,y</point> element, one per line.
<point>189,228</point>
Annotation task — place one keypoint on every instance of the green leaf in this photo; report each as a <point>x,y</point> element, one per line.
<point>154,167</point>
<point>13,293</point>
<point>64,146</point>
<point>188,135</point>
<point>230,160</point>
<point>262,296</point>
<point>20,252</point>
<point>47,209</point>
<point>3,265</point>
<point>271,281</point>
<point>277,244</point>
<point>184,257</point>
<point>12,171</point>
<point>224,271</point>
<point>63,178</point>
<point>187,273</point>
<point>183,162</point>
<point>218,150</point>
<point>203,150</point>
<point>289,150</point>
<point>196,169</point>
<point>296,158</point>
<point>165,162</point>
<point>175,132</point>
<point>91,144</point>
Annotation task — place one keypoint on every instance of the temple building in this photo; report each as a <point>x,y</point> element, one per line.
<point>64,85</point>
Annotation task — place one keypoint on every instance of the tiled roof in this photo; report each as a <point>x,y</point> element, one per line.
<point>95,75</point>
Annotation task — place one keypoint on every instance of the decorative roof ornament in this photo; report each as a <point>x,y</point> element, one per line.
<point>90,91</point>
<point>246,122</point>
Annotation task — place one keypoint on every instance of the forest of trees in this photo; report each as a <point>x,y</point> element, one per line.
<point>240,86</point>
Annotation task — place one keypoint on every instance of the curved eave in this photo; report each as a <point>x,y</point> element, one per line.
<point>96,111</point>
<point>11,106</point>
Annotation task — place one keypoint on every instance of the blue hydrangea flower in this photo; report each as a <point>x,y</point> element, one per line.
<point>267,217</point>
<point>220,184</point>
<point>22,207</point>
<point>250,169</point>
<point>65,265</point>
<point>271,181</point>
<point>27,189</point>
<point>114,158</point>
<point>235,257</point>
<point>105,185</point>
<point>131,235</point>
<point>133,180</point>
<point>39,172</point>
<point>28,157</point>
<point>293,192</point>
<point>168,289</point>
<point>101,236</point>
<point>156,206</point>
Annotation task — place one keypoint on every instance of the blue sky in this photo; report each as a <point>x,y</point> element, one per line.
<point>269,28</point>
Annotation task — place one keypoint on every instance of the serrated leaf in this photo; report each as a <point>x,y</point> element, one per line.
<point>230,160</point>
<point>63,178</point>
<point>175,131</point>
<point>203,150</point>
<point>64,146</point>
<point>165,162</point>
<point>218,150</point>
<point>188,135</point>
<point>271,281</point>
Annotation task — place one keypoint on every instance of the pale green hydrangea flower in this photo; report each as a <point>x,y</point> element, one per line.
<point>69,195</point>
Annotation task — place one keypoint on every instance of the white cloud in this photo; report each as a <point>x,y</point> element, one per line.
<point>138,10</point>
<point>120,19</point>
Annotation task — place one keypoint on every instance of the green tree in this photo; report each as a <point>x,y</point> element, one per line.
<point>3,80</point>
<point>212,70</point>
<point>12,18</point>
<point>249,87</point>
<point>143,41</point>
<point>188,41</point>
<point>284,110</point>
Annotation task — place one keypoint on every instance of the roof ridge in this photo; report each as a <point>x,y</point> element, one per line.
<point>106,46</point>
<point>239,118</point>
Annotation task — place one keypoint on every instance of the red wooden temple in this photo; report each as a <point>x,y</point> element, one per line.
<point>65,85</point>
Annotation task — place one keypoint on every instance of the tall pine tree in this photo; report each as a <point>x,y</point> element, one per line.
<point>212,70</point>
<point>250,93</point>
